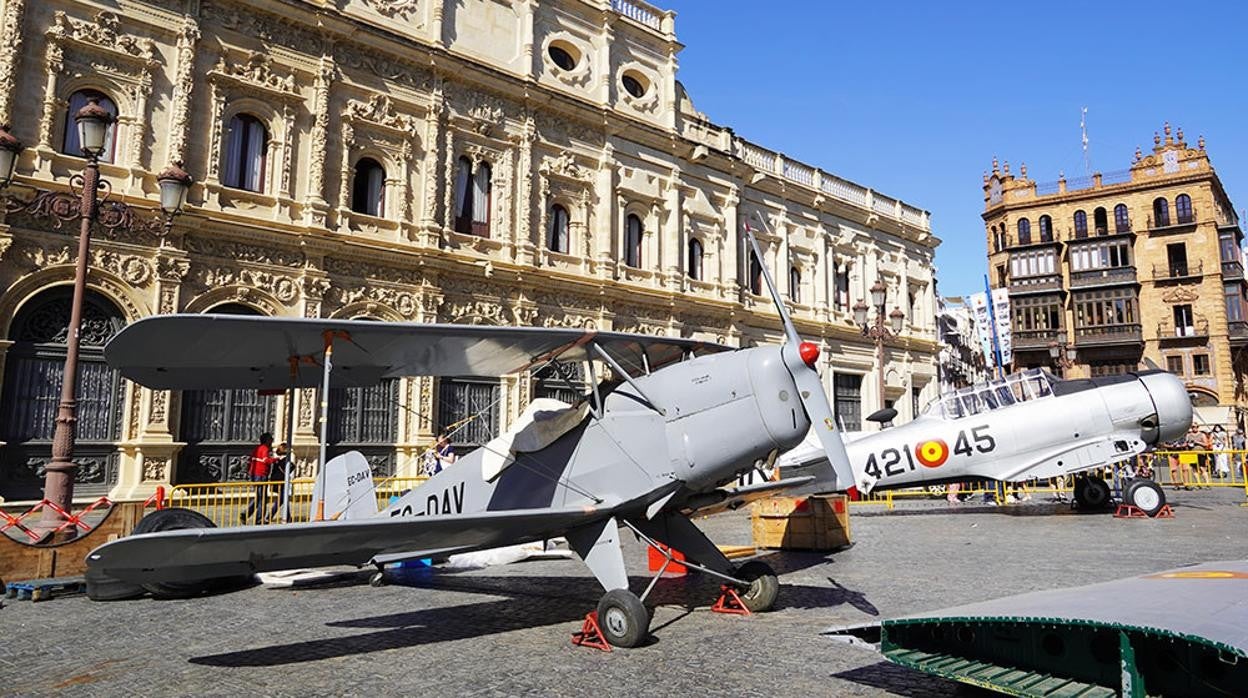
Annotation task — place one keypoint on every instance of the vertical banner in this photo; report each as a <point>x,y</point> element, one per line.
<point>1001,309</point>
<point>983,325</point>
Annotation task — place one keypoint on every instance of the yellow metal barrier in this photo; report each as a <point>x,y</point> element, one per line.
<point>235,503</point>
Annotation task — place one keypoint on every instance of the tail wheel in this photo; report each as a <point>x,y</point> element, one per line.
<point>1094,494</point>
<point>623,618</point>
<point>173,520</point>
<point>763,588</point>
<point>1145,495</point>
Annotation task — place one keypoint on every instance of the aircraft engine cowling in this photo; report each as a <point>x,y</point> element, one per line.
<point>1174,407</point>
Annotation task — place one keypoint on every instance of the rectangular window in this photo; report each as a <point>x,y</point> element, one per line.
<point>1032,263</point>
<point>469,407</point>
<point>1176,257</point>
<point>1183,326</point>
<point>842,289</point>
<point>1234,302</point>
<point>1115,306</point>
<point>1036,313</point>
<point>1200,364</point>
<point>1110,368</point>
<point>1174,364</point>
<point>847,391</point>
<point>1230,251</point>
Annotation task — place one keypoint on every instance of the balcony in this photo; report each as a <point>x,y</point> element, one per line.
<point>1102,335</point>
<point>1178,272</point>
<point>1036,339</point>
<point>1102,277</point>
<point>1232,270</point>
<point>1168,331</point>
<point>1036,284</point>
<point>1172,224</point>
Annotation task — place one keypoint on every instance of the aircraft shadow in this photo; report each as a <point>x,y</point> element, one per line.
<point>561,600</point>
<point>898,680</point>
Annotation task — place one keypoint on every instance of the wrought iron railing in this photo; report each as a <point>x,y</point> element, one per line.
<point>1167,329</point>
<point>1162,272</point>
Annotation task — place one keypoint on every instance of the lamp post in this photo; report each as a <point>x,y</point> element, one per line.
<point>86,203</point>
<point>878,330</point>
<point>1063,356</point>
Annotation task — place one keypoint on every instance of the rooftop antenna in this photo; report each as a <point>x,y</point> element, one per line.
<point>1083,126</point>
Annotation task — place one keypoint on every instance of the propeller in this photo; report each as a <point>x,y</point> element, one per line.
<point>800,358</point>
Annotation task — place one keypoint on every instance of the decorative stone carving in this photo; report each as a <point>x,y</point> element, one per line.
<point>256,70</point>
<point>160,407</point>
<point>565,166</point>
<point>249,21</point>
<point>1180,294</point>
<point>243,252</point>
<point>486,112</point>
<point>282,287</point>
<point>132,268</point>
<point>183,84</point>
<point>102,33</point>
<point>172,269</point>
<point>155,469</point>
<point>316,168</point>
<point>380,111</point>
<point>402,302</point>
<point>10,55</point>
<point>401,9</point>
<point>387,68</point>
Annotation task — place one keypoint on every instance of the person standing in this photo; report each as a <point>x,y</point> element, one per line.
<point>1204,461</point>
<point>1221,459</point>
<point>444,454</point>
<point>261,462</point>
<point>1238,444</point>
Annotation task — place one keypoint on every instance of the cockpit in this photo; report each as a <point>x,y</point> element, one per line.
<point>1024,386</point>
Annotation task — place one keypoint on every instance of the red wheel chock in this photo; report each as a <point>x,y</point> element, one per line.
<point>590,634</point>
<point>1126,511</point>
<point>729,602</point>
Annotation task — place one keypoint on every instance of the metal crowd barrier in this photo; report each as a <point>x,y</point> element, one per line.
<point>235,503</point>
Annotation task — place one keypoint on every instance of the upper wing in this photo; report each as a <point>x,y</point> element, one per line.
<point>233,351</point>
<point>207,553</point>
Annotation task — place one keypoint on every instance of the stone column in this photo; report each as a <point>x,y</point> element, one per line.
<point>670,233</point>
<point>183,84</point>
<point>730,267</point>
<point>607,220</point>
<point>10,56</point>
<point>526,246</point>
<point>315,206</point>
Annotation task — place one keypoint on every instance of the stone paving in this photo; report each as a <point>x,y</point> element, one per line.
<point>505,630</point>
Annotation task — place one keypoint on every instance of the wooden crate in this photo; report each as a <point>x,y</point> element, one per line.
<point>818,522</point>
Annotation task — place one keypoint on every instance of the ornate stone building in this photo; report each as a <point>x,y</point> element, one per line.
<point>1141,264</point>
<point>532,163</point>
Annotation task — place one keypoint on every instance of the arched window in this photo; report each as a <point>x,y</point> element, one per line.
<point>246,143</point>
<point>1024,231</point>
<point>1100,221</point>
<point>795,285</point>
<point>368,187</point>
<point>1122,220</point>
<point>1161,212</point>
<point>694,267</point>
<point>34,366</point>
<point>756,275</point>
<point>1183,208</point>
<point>1046,229</point>
<point>996,240</point>
<point>558,240</point>
<point>632,241</point>
<point>463,195</point>
<point>78,100</point>
<point>1081,224</point>
<point>482,190</point>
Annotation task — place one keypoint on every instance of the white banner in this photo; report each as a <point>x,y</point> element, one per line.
<point>983,325</point>
<point>1001,306</point>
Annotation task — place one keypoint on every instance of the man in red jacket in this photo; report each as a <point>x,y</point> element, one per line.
<point>262,460</point>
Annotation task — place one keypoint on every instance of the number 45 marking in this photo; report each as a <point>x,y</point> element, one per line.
<point>984,443</point>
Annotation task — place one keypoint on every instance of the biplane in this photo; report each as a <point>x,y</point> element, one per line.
<point>655,441</point>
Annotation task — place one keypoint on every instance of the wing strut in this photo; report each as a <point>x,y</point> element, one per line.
<point>620,370</point>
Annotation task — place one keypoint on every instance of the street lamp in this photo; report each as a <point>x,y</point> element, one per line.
<point>85,203</point>
<point>1063,355</point>
<point>879,329</point>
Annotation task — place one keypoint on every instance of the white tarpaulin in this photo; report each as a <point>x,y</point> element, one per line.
<point>1211,415</point>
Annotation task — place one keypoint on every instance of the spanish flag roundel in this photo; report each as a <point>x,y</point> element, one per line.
<point>933,453</point>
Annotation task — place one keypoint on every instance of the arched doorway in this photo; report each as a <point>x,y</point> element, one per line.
<point>32,392</point>
<point>220,427</point>
<point>365,419</point>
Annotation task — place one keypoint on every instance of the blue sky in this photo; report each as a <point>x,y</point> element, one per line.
<point>914,99</point>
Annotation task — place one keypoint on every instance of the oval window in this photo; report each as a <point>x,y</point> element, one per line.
<point>563,54</point>
<point>635,83</point>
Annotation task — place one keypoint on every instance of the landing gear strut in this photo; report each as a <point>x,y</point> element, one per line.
<point>1091,493</point>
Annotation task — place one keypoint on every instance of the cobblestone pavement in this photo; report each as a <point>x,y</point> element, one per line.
<point>505,630</point>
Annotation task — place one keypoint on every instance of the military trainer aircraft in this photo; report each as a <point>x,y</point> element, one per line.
<point>1024,426</point>
<point>677,420</point>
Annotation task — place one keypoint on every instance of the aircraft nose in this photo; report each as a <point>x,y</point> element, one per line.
<point>1174,407</point>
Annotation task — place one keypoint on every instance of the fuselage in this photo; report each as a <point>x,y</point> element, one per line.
<point>685,428</point>
<point>1018,429</point>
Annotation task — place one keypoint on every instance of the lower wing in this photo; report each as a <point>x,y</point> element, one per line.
<point>195,554</point>
<point>738,497</point>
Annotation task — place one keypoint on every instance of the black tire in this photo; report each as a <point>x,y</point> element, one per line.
<point>623,618</point>
<point>1145,495</point>
<point>176,519</point>
<point>101,587</point>
<point>763,587</point>
<point>1094,494</point>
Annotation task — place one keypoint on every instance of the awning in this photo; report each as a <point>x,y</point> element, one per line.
<point>1213,414</point>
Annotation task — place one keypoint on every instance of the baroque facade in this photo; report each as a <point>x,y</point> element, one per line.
<point>1129,267</point>
<point>481,161</point>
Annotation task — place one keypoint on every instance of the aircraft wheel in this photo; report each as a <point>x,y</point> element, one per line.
<point>173,520</point>
<point>1095,493</point>
<point>624,620</point>
<point>764,587</point>
<point>1145,495</point>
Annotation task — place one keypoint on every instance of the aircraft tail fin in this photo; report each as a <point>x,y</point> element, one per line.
<point>344,489</point>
